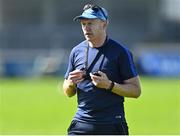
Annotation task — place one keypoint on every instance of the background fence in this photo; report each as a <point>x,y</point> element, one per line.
<point>31,30</point>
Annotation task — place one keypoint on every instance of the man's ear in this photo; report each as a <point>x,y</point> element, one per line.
<point>105,24</point>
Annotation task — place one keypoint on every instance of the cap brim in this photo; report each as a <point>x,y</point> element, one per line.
<point>77,18</point>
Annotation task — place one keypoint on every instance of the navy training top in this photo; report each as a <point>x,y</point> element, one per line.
<point>96,105</point>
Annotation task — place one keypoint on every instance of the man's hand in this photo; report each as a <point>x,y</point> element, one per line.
<point>101,81</point>
<point>76,76</point>
<point>69,85</point>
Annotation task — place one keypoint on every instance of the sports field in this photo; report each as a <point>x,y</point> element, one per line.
<point>37,106</point>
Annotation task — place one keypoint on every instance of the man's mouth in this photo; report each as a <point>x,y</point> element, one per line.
<point>88,34</point>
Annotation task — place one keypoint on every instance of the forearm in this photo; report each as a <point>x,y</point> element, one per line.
<point>126,90</point>
<point>69,88</point>
<point>129,88</point>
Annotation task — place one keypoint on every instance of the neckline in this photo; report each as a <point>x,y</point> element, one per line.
<point>103,45</point>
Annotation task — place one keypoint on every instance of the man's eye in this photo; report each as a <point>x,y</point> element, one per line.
<point>90,24</point>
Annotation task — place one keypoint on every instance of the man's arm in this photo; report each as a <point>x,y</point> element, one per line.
<point>129,88</point>
<point>69,88</point>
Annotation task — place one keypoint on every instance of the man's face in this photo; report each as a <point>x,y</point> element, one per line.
<point>93,28</point>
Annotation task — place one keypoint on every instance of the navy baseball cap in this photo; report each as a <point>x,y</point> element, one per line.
<point>93,12</point>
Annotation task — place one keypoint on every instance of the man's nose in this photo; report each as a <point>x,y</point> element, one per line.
<point>87,28</point>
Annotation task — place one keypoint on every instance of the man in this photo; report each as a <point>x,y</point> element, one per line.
<point>101,72</point>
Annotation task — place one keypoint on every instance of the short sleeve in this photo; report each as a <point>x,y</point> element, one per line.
<point>127,67</point>
<point>70,65</point>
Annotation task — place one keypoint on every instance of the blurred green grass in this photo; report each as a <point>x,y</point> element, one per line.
<point>38,106</point>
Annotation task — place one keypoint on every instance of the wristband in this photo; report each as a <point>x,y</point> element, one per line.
<point>111,86</point>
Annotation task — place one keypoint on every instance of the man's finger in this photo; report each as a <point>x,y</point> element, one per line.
<point>79,80</point>
<point>76,72</point>
<point>101,73</point>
